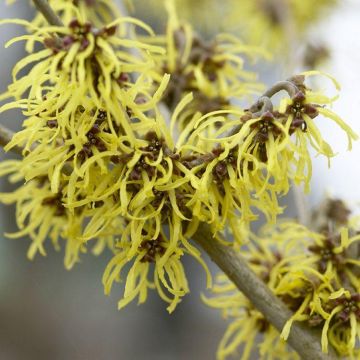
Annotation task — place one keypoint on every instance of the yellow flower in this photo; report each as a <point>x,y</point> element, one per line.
<point>83,114</point>
<point>268,146</point>
<point>329,305</point>
<point>41,214</point>
<point>103,168</point>
<point>115,193</point>
<point>156,264</point>
<point>269,256</point>
<point>312,273</point>
<point>84,62</point>
<point>212,70</point>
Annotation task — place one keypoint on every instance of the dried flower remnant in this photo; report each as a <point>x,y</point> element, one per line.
<point>332,211</point>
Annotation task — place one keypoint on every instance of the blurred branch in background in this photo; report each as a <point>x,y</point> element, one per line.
<point>45,9</point>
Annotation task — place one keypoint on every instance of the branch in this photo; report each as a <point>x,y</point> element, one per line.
<point>264,104</point>
<point>260,107</point>
<point>48,13</point>
<point>5,137</point>
<point>305,341</point>
<point>287,86</point>
<point>301,204</point>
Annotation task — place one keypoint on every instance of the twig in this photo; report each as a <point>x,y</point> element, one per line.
<point>264,104</point>
<point>303,340</point>
<point>5,137</point>
<point>260,107</point>
<point>287,86</point>
<point>48,13</point>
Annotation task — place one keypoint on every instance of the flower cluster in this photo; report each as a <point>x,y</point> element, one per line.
<point>213,71</point>
<point>314,274</point>
<point>102,165</point>
<point>99,163</point>
<point>259,151</point>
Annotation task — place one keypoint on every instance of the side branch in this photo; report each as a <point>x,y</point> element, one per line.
<point>5,137</point>
<point>305,341</point>
<point>287,86</point>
